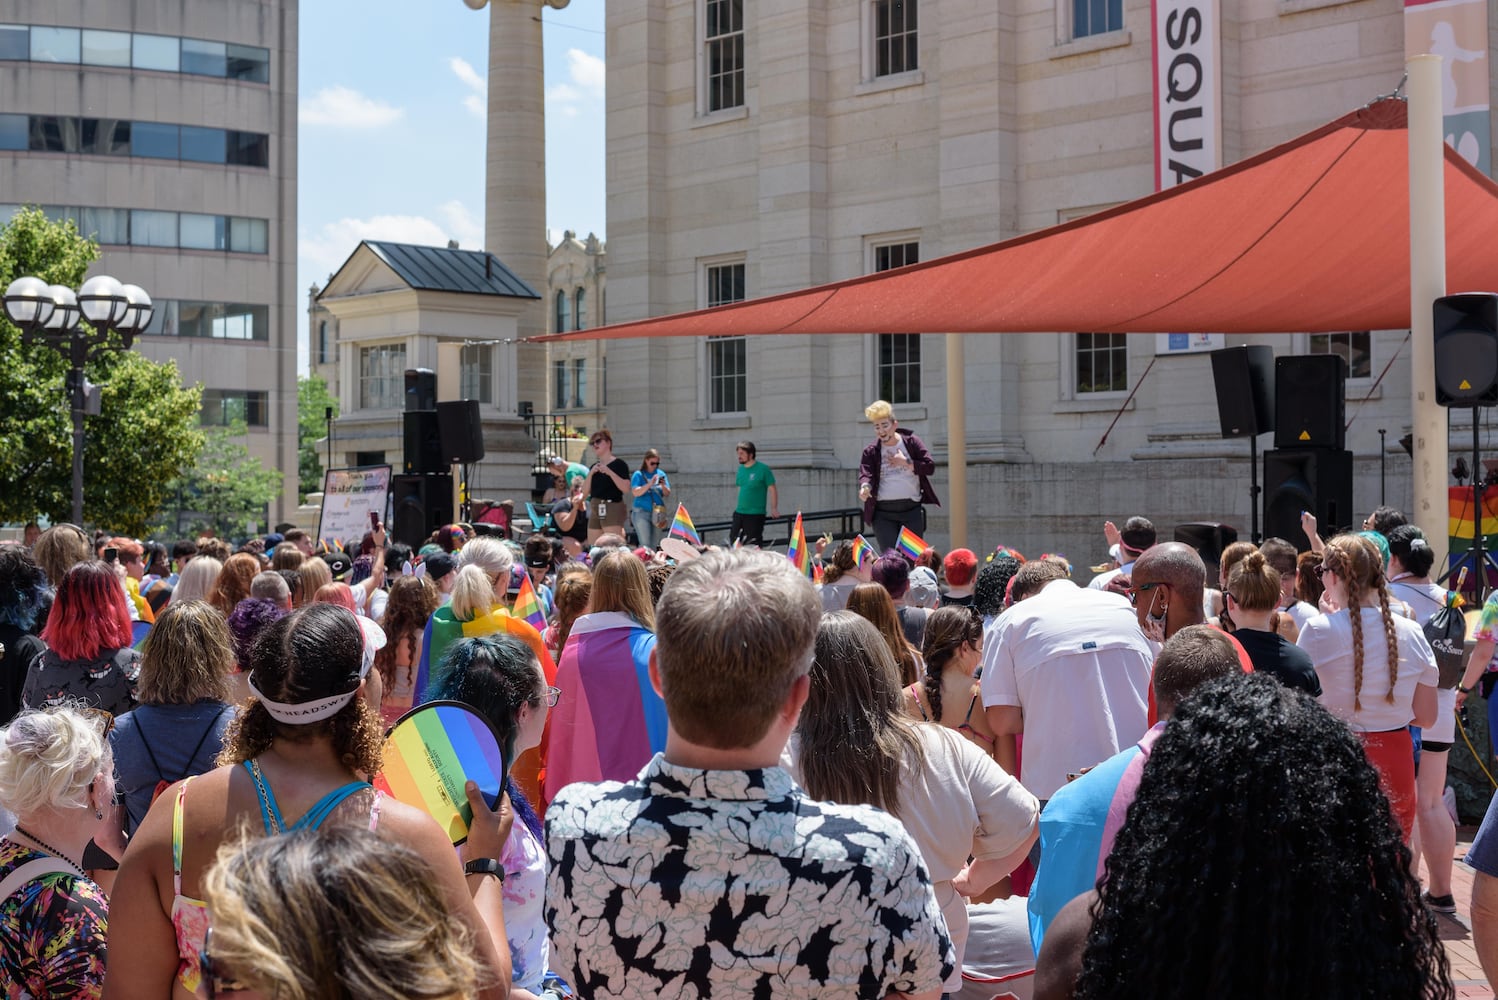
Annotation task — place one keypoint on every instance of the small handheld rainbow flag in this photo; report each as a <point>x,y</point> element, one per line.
<point>682,527</point>
<point>863,552</point>
<point>910,544</point>
<point>797,553</point>
<point>528,606</point>
<point>817,574</point>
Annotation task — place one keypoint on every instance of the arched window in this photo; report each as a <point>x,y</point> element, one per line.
<point>561,312</point>
<point>579,311</point>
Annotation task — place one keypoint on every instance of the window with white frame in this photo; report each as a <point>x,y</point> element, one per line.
<point>382,375</point>
<point>1095,17</point>
<point>723,54</point>
<point>727,357</point>
<point>895,38</point>
<point>561,390</point>
<point>897,356</point>
<point>476,367</point>
<point>561,312</point>
<point>1100,362</point>
<point>1355,347</point>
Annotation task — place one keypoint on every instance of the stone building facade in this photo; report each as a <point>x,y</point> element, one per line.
<point>576,299</point>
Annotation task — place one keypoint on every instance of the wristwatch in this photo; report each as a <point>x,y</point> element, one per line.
<point>1466,690</point>
<point>485,866</point>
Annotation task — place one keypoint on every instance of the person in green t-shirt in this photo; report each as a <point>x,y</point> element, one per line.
<point>756,485</point>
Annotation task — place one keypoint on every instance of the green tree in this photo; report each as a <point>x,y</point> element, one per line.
<point>225,489</point>
<point>312,401</point>
<point>146,434</point>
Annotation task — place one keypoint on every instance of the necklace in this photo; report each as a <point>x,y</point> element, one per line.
<point>50,849</point>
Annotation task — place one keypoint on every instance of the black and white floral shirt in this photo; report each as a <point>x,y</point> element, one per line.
<point>688,883</point>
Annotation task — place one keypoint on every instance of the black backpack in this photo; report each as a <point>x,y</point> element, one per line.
<point>1446,631</point>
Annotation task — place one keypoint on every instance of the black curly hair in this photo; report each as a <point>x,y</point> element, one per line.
<point>1260,859</point>
<point>993,581</point>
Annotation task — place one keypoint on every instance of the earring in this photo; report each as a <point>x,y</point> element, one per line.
<point>98,814</point>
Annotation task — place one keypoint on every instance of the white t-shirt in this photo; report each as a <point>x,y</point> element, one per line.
<point>1074,660</point>
<point>1328,639</point>
<point>1424,599</point>
<point>1101,581</point>
<point>1301,612</point>
<point>896,483</point>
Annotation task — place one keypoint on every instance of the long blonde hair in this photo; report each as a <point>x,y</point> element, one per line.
<point>620,584</point>
<point>1360,566</point>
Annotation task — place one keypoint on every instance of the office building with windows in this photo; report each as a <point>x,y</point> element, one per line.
<point>757,149</point>
<point>167,131</point>
<point>576,296</point>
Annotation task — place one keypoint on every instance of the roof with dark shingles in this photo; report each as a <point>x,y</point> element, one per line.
<point>441,269</point>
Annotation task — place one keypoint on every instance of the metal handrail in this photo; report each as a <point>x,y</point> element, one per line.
<point>849,519</point>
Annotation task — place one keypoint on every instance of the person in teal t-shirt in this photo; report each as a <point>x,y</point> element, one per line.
<point>756,485</point>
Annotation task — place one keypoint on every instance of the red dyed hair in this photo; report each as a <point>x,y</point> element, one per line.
<point>335,593</point>
<point>233,583</point>
<point>89,614</point>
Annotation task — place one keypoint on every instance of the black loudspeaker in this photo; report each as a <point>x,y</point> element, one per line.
<point>461,430</point>
<point>421,389</point>
<point>1315,479</point>
<point>1208,538</point>
<point>1244,377</point>
<point>419,505</point>
<point>1310,401</point>
<point>1466,332</point>
<point>423,443</point>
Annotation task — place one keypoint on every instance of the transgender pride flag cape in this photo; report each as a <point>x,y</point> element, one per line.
<point>609,721</point>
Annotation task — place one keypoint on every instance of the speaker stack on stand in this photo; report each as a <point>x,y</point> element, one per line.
<point>1466,356</point>
<point>421,497</point>
<point>1310,468</point>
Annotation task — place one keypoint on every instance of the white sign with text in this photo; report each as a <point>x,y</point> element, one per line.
<point>348,497</point>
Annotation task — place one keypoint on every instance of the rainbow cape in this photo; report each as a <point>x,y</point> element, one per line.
<point>797,553</point>
<point>609,721</point>
<point>910,544</point>
<point>682,526</point>
<point>443,629</point>
<point>528,605</point>
<point>863,552</point>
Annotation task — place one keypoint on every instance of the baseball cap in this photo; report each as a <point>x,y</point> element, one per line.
<point>439,565</point>
<point>923,592</point>
<point>338,563</point>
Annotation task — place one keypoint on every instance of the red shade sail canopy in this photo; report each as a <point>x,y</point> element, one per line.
<point>1311,235</point>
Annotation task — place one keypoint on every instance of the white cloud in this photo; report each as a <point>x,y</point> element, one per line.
<point>343,107</point>
<point>585,75</point>
<point>586,71</point>
<point>476,105</point>
<point>324,251</point>
<point>476,102</point>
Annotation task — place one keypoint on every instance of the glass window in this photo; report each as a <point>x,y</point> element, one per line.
<point>382,377</point>
<point>1356,348</point>
<point>107,225</point>
<point>222,407</point>
<point>1095,17</point>
<point>153,229</point>
<point>477,367</point>
<point>249,235</point>
<point>579,310</point>
<point>249,149</point>
<point>54,134</point>
<point>562,389</point>
<point>204,58</point>
<point>561,312</point>
<point>15,41</point>
<point>57,45</point>
<point>724,39</point>
<point>203,145</point>
<point>234,321</point>
<point>156,52</point>
<point>202,232</point>
<point>156,140</point>
<point>106,48</point>
<point>895,38</point>
<point>106,137</point>
<point>579,382</point>
<point>727,357</point>
<point>898,355</point>
<point>323,348</point>
<point>163,319</point>
<point>15,132</point>
<point>1102,362</point>
<point>247,62</point>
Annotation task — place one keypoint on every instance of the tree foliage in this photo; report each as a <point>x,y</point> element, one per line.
<point>312,401</point>
<point>225,490</point>
<point>146,434</point>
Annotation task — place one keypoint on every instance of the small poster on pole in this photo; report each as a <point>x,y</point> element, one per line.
<point>348,497</point>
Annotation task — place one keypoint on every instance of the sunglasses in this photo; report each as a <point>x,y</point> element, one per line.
<point>1143,589</point>
<point>217,980</point>
<point>1321,568</point>
<point>104,720</point>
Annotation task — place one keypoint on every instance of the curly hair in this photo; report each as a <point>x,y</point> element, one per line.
<point>23,587</point>
<point>312,653</point>
<point>1260,858</point>
<point>250,616</point>
<point>947,631</point>
<point>1360,566</point>
<point>412,601</point>
<point>993,584</point>
<point>837,562</point>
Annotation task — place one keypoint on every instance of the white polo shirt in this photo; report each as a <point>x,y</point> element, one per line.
<point>1075,661</point>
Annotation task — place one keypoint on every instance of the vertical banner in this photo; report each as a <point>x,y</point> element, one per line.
<point>1457,31</point>
<point>1187,54</point>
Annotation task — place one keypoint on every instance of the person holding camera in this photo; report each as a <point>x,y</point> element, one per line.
<point>607,481</point>
<point>570,514</point>
<point>650,488</point>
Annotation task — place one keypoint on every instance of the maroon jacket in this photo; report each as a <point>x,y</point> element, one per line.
<point>920,457</point>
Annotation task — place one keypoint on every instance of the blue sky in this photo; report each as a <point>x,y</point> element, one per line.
<point>391,136</point>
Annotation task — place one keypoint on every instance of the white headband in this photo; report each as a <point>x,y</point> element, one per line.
<point>297,715</point>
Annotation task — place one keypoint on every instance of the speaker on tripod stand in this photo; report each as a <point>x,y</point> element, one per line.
<point>1466,363</point>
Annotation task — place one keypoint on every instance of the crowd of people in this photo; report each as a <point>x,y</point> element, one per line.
<point>971,774</point>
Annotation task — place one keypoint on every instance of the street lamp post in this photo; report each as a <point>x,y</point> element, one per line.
<point>51,315</point>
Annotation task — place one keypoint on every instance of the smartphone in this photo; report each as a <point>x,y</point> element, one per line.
<point>111,554</point>
<point>374,520</point>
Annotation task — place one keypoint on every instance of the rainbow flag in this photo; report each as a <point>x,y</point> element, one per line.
<point>797,553</point>
<point>863,552</point>
<point>682,526</point>
<point>443,630</point>
<point>817,574</point>
<point>910,544</point>
<point>609,721</point>
<point>528,605</point>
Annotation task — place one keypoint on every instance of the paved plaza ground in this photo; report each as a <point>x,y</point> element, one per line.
<point>1456,929</point>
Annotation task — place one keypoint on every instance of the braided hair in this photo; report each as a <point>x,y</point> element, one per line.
<point>1214,890</point>
<point>1359,565</point>
<point>947,631</point>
